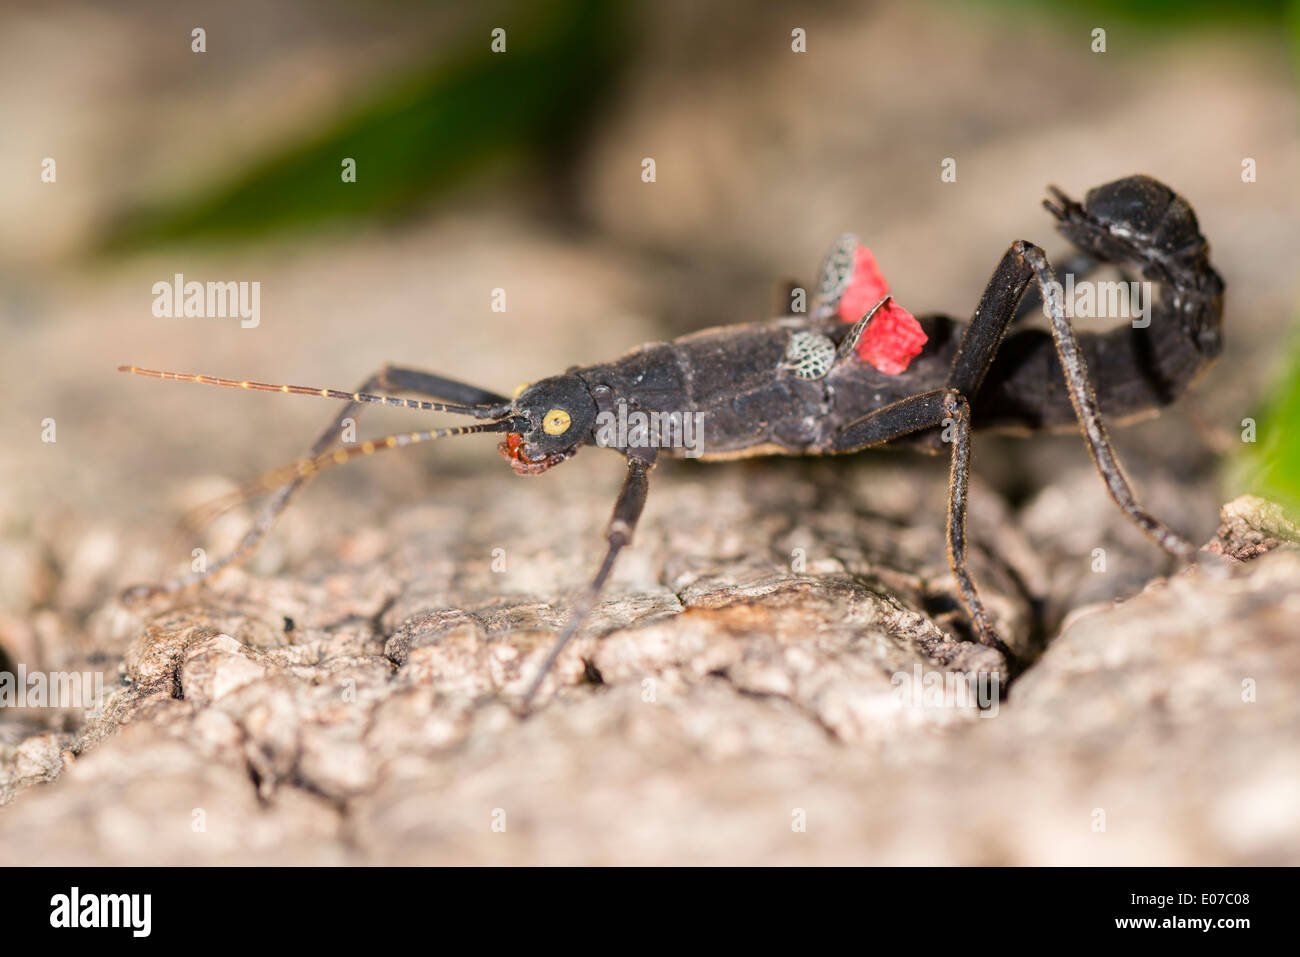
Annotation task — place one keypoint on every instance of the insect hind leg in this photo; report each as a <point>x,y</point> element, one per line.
<point>1021,264</point>
<point>1079,265</point>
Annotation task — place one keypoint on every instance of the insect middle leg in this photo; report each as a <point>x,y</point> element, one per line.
<point>926,410</point>
<point>388,379</point>
<point>1021,264</point>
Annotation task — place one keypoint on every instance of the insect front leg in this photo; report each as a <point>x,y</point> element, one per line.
<point>398,379</point>
<point>622,525</point>
<point>939,408</point>
<point>388,379</point>
<point>1021,264</point>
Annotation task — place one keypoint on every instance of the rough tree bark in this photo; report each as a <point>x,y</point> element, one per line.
<point>722,707</point>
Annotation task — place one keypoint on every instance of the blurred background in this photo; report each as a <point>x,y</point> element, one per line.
<point>522,170</point>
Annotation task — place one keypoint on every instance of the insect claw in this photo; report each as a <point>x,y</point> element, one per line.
<point>1068,208</point>
<point>1063,198</point>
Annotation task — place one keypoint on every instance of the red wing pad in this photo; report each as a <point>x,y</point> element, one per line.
<point>893,337</point>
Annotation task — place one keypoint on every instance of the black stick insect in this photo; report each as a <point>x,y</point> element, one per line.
<point>798,386</point>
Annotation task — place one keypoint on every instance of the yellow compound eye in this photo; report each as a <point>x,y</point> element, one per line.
<point>556,422</point>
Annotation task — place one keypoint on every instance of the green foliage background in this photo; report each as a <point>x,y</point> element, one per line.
<point>415,137</point>
<point>1272,467</point>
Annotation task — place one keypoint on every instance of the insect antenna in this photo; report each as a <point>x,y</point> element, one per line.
<point>479,411</point>
<point>303,469</point>
<point>308,467</point>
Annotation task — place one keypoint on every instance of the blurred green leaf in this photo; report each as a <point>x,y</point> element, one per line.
<point>1272,468</point>
<point>417,137</point>
<point>1161,13</point>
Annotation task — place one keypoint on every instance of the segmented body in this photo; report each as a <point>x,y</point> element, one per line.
<point>753,404</point>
